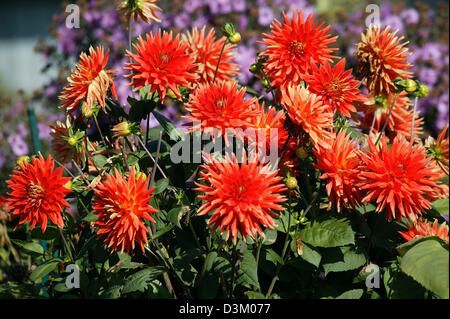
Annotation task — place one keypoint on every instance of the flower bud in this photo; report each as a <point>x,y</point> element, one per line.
<point>301,153</point>
<point>68,185</point>
<point>171,94</point>
<point>121,129</point>
<point>141,176</point>
<point>72,141</point>
<point>21,160</point>
<point>291,183</point>
<point>235,38</point>
<point>228,29</point>
<point>253,68</point>
<point>410,86</point>
<point>265,83</point>
<point>423,91</point>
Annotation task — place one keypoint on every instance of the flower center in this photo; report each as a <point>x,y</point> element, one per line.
<point>221,105</point>
<point>297,48</point>
<point>164,57</point>
<point>333,88</point>
<point>36,193</point>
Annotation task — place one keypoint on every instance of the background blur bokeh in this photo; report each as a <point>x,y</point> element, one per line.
<point>37,50</point>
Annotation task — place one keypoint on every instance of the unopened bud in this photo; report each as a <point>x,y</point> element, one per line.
<point>21,160</point>
<point>141,176</point>
<point>235,38</point>
<point>68,185</point>
<point>301,153</point>
<point>291,183</point>
<point>410,86</point>
<point>72,141</point>
<point>423,91</point>
<point>121,129</point>
<point>171,94</point>
<point>253,68</point>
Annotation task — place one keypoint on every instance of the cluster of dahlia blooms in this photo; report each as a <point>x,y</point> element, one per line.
<point>365,148</point>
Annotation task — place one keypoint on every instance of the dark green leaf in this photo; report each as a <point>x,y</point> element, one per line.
<point>45,268</point>
<point>140,280</point>
<point>329,233</point>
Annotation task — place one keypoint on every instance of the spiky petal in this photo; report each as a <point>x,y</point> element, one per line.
<point>335,86</point>
<point>37,192</point>
<point>381,59</point>
<point>242,197</point>
<point>163,62</point>
<point>139,9</point>
<point>294,46</point>
<point>398,179</point>
<point>308,111</point>
<point>340,166</point>
<point>422,228</point>
<point>122,206</point>
<point>206,51</point>
<point>89,82</point>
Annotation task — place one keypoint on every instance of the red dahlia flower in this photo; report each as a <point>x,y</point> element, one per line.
<point>307,110</point>
<point>293,47</point>
<point>400,178</point>
<point>122,205</point>
<point>242,197</point>
<point>340,166</point>
<point>37,193</point>
<point>422,228</point>
<point>335,86</point>
<point>382,58</point>
<point>221,106</point>
<point>89,82</point>
<point>163,62</point>
<point>206,51</point>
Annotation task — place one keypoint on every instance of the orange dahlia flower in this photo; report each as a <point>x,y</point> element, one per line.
<point>381,59</point>
<point>399,179</point>
<point>242,197</point>
<point>440,149</point>
<point>143,9</point>
<point>293,47</point>
<point>163,62</point>
<point>220,106</point>
<point>422,228</point>
<point>335,86</point>
<point>122,206</point>
<point>89,82</point>
<point>37,193</point>
<point>400,120</point>
<point>307,110</point>
<point>206,51</point>
<point>340,166</point>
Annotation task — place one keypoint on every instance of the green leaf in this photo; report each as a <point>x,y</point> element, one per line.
<point>45,268</point>
<point>342,259</point>
<point>255,295</point>
<point>427,263</point>
<point>329,233</point>
<point>270,237</point>
<point>51,232</point>
<point>311,255</point>
<point>162,231</point>
<point>161,185</point>
<point>90,218</point>
<point>441,205</point>
<point>403,248</point>
<point>140,280</point>
<point>29,248</point>
<point>168,127</point>
<point>351,294</point>
<point>175,215</point>
<point>140,109</point>
<point>100,161</point>
<point>249,268</point>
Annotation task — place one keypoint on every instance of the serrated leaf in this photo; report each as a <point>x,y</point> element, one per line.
<point>140,280</point>
<point>329,233</point>
<point>342,259</point>
<point>311,255</point>
<point>29,248</point>
<point>161,185</point>
<point>249,268</point>
<point>44,269</point>
<point>351,294</point>
<point>403,248</point>
<point>427,263</point>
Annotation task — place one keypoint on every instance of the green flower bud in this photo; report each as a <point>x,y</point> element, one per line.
<point>235,38</point>
<point>253,68</point>
<point>21,160</point>
<point>410,86</point>
<point>423,91</point>
<point>72,141</point>
<point>291,183</point>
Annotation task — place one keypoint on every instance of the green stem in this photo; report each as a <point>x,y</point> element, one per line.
<point>218,62</point>
<point>387,119</point>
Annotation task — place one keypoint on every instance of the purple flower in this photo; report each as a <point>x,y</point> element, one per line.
<point>265,16</point>
<point>410,15</point>
<point>395,22</point>
<point>182,20</point>
<point>21,130</point>
<point>192,5</point>
<point>44,131</point>
<point>18,145</point>
<point>432,52</point>
<point>428,75</point>
<point>239,5</point>
<point>245,56</point>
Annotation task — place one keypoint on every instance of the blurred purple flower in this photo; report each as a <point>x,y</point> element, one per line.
<point>18,145</point>
<point>245,56</point>
<point>182,20</point>
<point>429,76</point>
<point>265,16</point>
<point>410,15</point>
<point>395,22</point>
